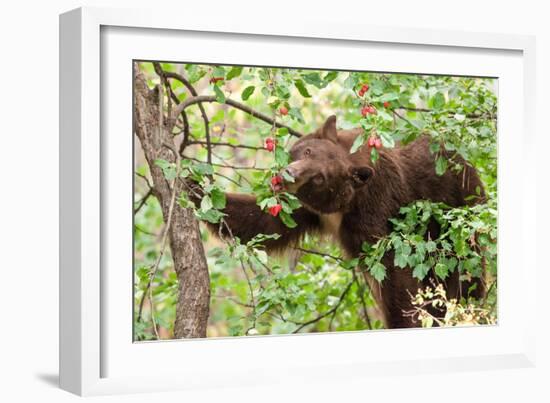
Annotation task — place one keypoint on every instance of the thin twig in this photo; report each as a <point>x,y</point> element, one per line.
<point>252,300</point>
<point>211,98</point>
<point>361,291</point>
<point>205,119</point>
<point>215,144</point>
<point>338,259</point>
<point>469,115</point>
<point>228,165</point>
<point>327,313</point>
<point>143,200</point>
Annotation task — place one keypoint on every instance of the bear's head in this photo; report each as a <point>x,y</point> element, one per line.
<point>326,176</point>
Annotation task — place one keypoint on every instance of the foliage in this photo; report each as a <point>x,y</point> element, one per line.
<point>314,288</point>
<point>456,314</point>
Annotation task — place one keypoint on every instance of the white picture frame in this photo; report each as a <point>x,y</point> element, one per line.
<point>96,354</point>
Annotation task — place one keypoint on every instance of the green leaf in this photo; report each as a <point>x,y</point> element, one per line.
<point>247,92</point>
<point>184,201</point>
<point>387,139</point>
<point>206,204</point>
<point>302,88</point>
<point>314,79</point>
<point>330,76</point>
<point>440,165</point>
<point>378,271</point>
<point>431,246</point>
<point>358,142</point>
<point>437,101</point>
<point>218,198</point>
<point>296,114</point>
<point>163,164</point>
<point>385,115</point>
<point>282,131</point>
<point>435,147</point>
<point>220,96</point>
<point>234,72</point>
<point>441,271</point>
<point>219,71</point>
<point>287,219</point>
<point>400,260</point>
<point>281,156</point>
<point>374,155</point>
<point>268,202</point>
<point>420,271</point>
<point>203,169</point>
<point>212,216</point>
<point>351,81</point>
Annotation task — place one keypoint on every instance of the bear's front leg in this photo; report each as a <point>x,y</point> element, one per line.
<point>244,219</point>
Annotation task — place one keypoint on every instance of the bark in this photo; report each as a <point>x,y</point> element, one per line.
<point>192,308</point>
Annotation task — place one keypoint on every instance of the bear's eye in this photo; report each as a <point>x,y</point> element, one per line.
<point>318,179</point>
<point>307,152</point>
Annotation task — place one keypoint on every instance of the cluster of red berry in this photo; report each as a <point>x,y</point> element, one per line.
<point>375,142</point>
<point>364,88</point>
<point>270,144</point>
<point>365,110</point>
<point>277,182</point>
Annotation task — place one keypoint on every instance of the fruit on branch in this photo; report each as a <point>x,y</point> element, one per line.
<point>277,183</point>
<point>283,110</point>
<point>386,104</point>
<point>377,143</point>
<point>364,88</point>
<point>367,109</point>
<point>270,144</point>
<point>274,211</point>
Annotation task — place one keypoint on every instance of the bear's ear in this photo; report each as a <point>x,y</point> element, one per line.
<point>329,131</point>
<point>360,174</point>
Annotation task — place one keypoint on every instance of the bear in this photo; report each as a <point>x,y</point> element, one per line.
<point>349,198</point>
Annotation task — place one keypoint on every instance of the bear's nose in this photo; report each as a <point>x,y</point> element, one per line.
<point>290,172</point>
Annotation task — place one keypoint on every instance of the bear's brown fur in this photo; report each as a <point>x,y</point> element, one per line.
<point>350,198</point>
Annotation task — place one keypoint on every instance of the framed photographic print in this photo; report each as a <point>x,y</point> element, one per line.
<point>228,195</point>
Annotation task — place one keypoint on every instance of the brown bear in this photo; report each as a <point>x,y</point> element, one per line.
<point>346,196</point>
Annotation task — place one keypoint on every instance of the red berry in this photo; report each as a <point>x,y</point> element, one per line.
<point>277,179</point>
<point>365,88</point>
<point>269,144</point>
<point>377,143</point>
<point>274,211</point>
<point>371,141</point>
<point>283,110</point>
<point>367,109</point>
<point>386,104</point>
<point>277,183</point>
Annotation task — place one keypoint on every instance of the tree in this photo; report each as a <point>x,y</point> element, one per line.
<point>181,229</point>
<point>222,143</point>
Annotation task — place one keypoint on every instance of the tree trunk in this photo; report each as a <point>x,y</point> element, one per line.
<point>184,237</point>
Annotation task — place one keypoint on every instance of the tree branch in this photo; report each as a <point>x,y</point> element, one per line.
<point>223,144</point>
<point>167,74</point>
<point>227,165</point>
<point>211,98</point>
